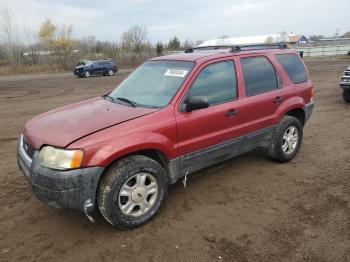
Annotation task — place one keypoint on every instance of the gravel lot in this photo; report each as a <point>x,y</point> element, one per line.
<point>245,209</point>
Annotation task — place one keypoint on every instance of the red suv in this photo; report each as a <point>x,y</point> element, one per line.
<point>172,116</point>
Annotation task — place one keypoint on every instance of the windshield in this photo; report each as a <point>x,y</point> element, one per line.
<point>83,62</point>
<point>154,83</point>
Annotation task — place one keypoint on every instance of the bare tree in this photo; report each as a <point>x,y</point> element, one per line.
<point>269,40</point>
<point>31,42</point>
<point>283,37</point>
<point>134,38</point>
<point>9,34</point>
<point>188,44</point>
<point>198,42</point>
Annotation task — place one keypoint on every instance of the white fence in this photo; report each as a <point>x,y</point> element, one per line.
<point>321,51</point>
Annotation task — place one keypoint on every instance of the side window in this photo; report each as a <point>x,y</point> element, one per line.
<point>294,67</point>
<point>259,75</point>
<point>216,82</point>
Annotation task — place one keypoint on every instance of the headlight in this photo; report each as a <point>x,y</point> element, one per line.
<point>62,159</point>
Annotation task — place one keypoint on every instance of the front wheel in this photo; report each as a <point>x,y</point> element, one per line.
<point>132,191</point>
<point>110,72</point>
<point>346,95</point>
<point>286,140</point>
<point>87,74</point>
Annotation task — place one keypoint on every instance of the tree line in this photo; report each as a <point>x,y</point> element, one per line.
<point>55,47</point>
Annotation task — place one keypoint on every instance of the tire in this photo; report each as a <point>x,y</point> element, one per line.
<point>86,74</point>
<point>116,191</point>
<point>346,95</point>
<point>110,72</point>
<point>280,149</point>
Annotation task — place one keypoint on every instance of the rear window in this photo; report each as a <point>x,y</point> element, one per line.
<point>294,67</point>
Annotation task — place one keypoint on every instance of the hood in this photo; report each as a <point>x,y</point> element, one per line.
<point>79,67</point>
<point>63,125</point>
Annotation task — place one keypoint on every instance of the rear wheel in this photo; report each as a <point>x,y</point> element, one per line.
<point>346,95</point>
<point>132,191</point>
<point>110,72</point>
<point>286,140</point>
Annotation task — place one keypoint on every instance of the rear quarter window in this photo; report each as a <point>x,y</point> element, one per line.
<point>294,67</point>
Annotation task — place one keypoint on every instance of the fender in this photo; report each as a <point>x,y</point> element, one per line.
<point>153,131</point>
<point>287,105</point>
<point>114,149</point>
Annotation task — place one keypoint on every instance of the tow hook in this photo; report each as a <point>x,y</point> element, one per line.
<point>88,203</point>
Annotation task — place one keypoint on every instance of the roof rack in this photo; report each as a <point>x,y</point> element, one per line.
<point>238,48</point>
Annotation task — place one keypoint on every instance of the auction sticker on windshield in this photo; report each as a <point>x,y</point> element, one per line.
<point>176,72</point>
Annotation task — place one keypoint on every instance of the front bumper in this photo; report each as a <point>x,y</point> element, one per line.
<point>308,108</point>
<point>78,72</point>
<point>71,189</point>
<point>345,86</point>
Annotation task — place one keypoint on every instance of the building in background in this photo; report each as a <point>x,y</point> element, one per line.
<point>288,38</point>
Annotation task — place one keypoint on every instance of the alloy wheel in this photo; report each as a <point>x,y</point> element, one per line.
<point>138,194</point>
<point>290,140</point>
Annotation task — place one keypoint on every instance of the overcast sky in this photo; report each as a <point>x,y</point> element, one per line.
<point>192,20</point>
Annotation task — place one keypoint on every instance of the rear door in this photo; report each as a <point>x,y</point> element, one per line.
<point>264,92</point>
<point>99,67</point>
<point>94,68</point>
<point>105,66</point>
<point>212,134</point>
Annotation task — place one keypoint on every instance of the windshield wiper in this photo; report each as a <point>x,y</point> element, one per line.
<point>108,97</point>
<point>132,103</point>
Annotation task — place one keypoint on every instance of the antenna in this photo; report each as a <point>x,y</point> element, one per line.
<point>102,87</point>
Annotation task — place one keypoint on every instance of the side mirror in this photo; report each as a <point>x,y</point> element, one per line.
<point>195,103</point>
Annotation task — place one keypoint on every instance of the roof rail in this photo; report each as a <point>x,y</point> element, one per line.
<point>238,48</point>
<point>207,48</point>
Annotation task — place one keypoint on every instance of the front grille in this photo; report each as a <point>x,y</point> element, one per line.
<point>28,148</point>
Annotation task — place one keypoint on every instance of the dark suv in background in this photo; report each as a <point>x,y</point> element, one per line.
<point>345,84</point>
<point>101,67</point>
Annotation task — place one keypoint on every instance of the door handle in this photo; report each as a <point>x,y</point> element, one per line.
<point>232,112</point>
<point>278,99</point>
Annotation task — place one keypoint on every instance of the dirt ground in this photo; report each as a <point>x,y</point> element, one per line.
<point>245,209</point>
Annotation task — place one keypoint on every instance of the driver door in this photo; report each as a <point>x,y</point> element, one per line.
<point>213,133</point>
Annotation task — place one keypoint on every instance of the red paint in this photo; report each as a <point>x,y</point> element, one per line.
<point>107,131</point>
<point>61,126</point>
